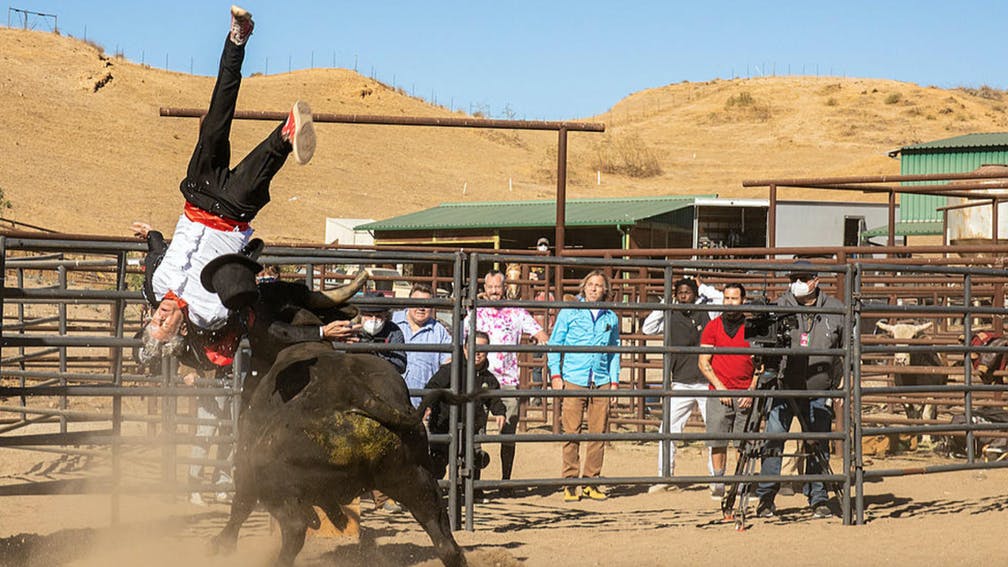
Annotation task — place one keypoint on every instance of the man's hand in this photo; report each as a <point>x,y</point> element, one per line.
<point>745,403</point>
<point>500,421</point>
<point>190,378</point>
<point>341,331</point>
<point>140,229</point>
<point>556,382</point>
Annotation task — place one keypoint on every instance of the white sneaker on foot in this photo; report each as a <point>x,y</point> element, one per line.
<point>241,25</point>
<point>300,132</point>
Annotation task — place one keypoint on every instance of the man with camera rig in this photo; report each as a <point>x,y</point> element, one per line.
<point>804,372</point>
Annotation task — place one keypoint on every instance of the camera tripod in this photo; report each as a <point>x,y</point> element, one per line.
<point>750,451</point>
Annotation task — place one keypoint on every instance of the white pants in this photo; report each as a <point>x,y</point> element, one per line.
<point>679,411</point>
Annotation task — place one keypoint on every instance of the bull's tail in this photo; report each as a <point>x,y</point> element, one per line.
<point>446,397</point>
<point>398,420</point>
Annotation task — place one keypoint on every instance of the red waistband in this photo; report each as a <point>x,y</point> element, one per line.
<point>208,219</point>
<point>178,300</point>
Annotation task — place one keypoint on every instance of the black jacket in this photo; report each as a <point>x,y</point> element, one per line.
<point>485,379</point>
<point>390,333</point>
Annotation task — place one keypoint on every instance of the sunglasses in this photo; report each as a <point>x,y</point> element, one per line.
<point>801,277</point>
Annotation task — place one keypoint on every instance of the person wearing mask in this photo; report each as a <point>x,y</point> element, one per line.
<point>377,327</point>
<point>804,372</point>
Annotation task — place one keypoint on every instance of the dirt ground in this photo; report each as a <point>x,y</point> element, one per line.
<point>950,518</point>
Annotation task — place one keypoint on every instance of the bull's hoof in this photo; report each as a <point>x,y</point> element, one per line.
<point>222,545</point>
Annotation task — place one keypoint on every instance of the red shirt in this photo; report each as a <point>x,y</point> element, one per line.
<point>734,370</point>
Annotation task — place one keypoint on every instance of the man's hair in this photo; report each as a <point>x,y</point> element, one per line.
<point>688,282</point>
<point>152,351</point>
<point>738,286</point>
<point>592,274</point>
<point>482,335</point>
<point>422,288</point>
<point>492,274</point>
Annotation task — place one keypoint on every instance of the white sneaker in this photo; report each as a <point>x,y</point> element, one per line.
<point>656,488</point>
<point>196,499</point>
<point>241,25</point>
<point>717,491</point>
<point>300,132</point>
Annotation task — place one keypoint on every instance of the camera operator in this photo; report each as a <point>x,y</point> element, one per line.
<point>804,372</point>
<point>726,372</point>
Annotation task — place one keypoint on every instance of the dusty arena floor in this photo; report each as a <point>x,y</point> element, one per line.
<point>951,518</point>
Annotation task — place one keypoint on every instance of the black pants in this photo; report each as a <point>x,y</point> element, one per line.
<point>240,193</point>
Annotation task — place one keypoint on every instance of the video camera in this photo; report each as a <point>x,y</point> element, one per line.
<point>769,329</point>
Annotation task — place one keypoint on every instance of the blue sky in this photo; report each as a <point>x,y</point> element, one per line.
<point>558,59</point>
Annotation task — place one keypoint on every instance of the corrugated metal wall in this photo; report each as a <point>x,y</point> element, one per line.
<point>922,207</point>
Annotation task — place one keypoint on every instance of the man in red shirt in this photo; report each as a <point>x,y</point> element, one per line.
<point>726,372</point>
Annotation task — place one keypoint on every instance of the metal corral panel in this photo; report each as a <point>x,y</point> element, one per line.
<point>960,154</point>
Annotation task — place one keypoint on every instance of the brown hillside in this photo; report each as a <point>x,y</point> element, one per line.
<point>85,150</point>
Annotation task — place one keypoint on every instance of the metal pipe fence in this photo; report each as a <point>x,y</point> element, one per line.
<point>90,364</point>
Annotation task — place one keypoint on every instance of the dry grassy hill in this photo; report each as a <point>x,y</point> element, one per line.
<point>85,151</point>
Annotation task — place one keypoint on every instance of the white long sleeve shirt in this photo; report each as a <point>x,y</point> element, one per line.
<point>193,245</point>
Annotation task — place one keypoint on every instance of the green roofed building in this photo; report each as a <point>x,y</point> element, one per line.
<point>615,223</point>
<point>918,214</point>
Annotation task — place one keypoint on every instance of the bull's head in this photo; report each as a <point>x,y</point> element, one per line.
<point>512,274</point>
<point>903,331</point>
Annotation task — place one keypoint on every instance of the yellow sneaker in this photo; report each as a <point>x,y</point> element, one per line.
<point>571,494</point>
<point>594,493</point>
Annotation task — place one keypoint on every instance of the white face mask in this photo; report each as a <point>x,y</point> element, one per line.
<point>800,288</point>
<point>372,326</point>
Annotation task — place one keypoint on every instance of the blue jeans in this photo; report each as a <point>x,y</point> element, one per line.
<point>819,415</point>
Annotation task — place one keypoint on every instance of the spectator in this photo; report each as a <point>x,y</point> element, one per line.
<point>438,421</point>
<point>420,328</point>
<point>726,372</point>
<point>684,330</point>
<point>585,371</point>
<point>804,372</point>
<point>376,327</point>
<point>505,326</point>
<point>218,410</point>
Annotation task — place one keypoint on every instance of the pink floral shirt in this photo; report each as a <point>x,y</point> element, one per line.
<point>505,327</point>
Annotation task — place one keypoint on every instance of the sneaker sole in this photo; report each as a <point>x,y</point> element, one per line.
<point>240,13</point>
<point>303,143</point>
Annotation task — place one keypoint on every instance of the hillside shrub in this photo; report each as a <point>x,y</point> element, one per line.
<point>893,98</point>
<point>626,155</point>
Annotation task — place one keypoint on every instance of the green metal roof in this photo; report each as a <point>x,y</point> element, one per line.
<point>531,214</point>
<point>907,228</point>
<point>968,141</point>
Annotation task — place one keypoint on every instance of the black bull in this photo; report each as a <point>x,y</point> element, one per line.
<point>322,427</point>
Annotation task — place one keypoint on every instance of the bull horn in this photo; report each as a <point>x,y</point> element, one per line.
<point>923,327</point>
<point>885,327</point>
<point>340,295</point>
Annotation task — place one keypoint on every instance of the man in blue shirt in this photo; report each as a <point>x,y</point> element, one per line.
<point>419,327</point>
